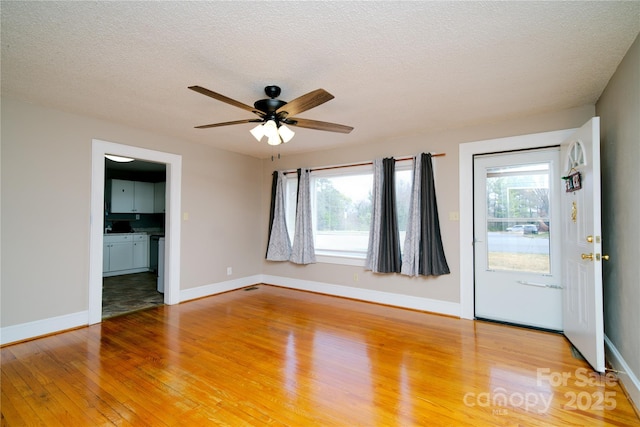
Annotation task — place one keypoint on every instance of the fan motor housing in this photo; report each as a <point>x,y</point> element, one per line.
<point>272,91</point>
<point>268,105</point>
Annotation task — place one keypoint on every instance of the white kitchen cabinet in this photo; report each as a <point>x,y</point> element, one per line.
<point>117,253</point>
<point>121,196</point>
<point>141,251</point>
<point>131,196</point>
<point>159,189</point>
<point>125,254</point>
<point>121,256</point>
<point>106,252</point>
<point>143,197</point>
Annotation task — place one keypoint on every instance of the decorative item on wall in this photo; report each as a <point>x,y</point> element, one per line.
<point>275,114</point>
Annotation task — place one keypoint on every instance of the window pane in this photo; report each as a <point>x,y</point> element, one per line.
<point>343,213</point>
<point>290,204</point>
<point>341,206</point>
<point>518,219</point>
<point>403,197</point>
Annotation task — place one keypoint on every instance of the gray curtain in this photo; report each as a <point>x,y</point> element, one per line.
<point>274,186</point>
<point>432,258</point>
<point>411,251</point>
<point>371,263</point>
<point>388,259</point>
<point>423,250</point>
<point>303,251</point>
<point>279,245</point>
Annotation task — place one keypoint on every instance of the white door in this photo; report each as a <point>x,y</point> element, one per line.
<point>582,244</point>
<point>517,238</point>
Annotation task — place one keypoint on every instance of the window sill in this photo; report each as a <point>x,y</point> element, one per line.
<point>327,258</point>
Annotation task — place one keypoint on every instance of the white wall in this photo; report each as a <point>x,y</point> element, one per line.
<point>619,109</point>
<point>444,288</point>
<point>46,158</point>
<point>46,191</point>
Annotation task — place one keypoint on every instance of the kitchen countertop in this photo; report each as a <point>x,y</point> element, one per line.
<point>150,233</point>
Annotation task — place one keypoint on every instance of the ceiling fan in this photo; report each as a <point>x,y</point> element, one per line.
<point>274,114</point>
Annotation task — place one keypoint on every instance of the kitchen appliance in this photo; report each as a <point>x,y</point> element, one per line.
<point>161,264</point>
<point>153,251</point>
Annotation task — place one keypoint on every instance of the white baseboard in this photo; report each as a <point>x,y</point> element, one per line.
<point>216,288</point>
<point>25,331</point>
<point>38,328</point>
<point>627,377</point>
<point>380,297</point>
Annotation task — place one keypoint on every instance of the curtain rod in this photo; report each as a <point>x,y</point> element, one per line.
<point>361,164</point>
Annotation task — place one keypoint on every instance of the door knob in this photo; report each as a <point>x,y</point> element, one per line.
<point>605,257</point>
<point>590,239</point>
<point>587,256</point>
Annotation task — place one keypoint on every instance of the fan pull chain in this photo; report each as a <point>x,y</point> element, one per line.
<point>272,155</point>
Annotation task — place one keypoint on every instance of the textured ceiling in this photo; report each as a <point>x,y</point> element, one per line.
<point>395,68</point>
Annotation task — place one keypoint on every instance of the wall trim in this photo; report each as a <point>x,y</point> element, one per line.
<point>627,377</point>
<point>368,295</point>
<point>217,288</point>
<point>38,328</point>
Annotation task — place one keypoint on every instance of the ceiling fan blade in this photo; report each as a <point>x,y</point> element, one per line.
<point>225,99</point>
<point>305,102</point>
<point>235,122</point>
<point>315,124</point>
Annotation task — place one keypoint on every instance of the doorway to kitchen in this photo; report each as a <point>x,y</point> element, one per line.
<point>134,220</point>
<point>171,240</point>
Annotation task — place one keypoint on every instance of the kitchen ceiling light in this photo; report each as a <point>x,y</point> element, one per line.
<point>119,159</point>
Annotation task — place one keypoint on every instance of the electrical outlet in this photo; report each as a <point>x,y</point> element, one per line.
<point>137,216</point>
<point>229,271</point>
<point>454,216</point>
<point>355,277</point>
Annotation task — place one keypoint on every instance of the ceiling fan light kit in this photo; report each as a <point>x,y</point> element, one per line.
<point>285,133</point>
<point>276,134</point>
<point>275,114</point>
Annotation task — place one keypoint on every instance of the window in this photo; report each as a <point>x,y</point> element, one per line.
<point>341,205</point>
<point>518,199</point>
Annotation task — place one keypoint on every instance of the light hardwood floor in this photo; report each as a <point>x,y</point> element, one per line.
<point>274,356</point>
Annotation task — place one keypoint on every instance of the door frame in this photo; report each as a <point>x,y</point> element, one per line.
<point>172,220</point>
<point>465,159</point>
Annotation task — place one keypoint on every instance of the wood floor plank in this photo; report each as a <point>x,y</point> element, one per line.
<point>279,357</point>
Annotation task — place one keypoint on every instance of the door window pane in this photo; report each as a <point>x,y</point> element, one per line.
<point>518,218</point>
